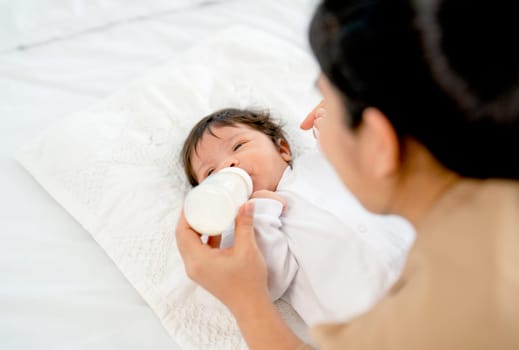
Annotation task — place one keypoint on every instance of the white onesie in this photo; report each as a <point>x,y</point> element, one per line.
<point>326,255</point>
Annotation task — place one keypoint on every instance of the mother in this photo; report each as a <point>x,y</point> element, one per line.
<point>422,120</point>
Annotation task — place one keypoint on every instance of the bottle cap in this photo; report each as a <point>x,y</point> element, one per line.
<point>243,174</point>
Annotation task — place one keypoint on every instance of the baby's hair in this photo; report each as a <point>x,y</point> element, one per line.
<point>257,120</point>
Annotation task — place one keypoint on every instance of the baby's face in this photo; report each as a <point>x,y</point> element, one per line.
<point>242,147</point>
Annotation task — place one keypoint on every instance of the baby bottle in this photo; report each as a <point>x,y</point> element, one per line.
<point>211,207</point>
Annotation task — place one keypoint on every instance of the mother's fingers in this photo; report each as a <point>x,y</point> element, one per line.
<point>188,240</point>
<point>317,112</point>
<point>244,230</point>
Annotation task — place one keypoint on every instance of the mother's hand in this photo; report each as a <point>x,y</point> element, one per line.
<point>316,113</point>
<point>236,275</point>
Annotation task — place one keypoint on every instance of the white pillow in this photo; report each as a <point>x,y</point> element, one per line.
<point>115,167</point>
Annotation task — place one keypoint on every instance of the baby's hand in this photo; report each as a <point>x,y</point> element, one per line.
<point>271,195</point>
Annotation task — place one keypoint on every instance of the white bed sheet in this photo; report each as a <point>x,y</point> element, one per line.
<point>58,289</point>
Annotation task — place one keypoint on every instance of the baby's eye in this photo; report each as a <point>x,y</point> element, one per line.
<point>237,146</point>
<point>209,172</point>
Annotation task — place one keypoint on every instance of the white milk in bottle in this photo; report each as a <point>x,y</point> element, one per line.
<point>211,207</point>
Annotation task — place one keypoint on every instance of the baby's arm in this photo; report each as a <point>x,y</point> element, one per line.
<point>272,242</point>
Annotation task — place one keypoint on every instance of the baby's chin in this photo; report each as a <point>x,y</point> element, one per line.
<point>265,184</point>
<point>260,187</point>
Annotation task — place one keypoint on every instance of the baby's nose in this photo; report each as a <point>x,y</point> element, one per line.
<point>232,163</point>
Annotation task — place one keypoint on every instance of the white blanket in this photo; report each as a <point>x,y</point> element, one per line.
<point>115,167</point>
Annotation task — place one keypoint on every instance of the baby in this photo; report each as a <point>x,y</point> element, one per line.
<point>300,205</point>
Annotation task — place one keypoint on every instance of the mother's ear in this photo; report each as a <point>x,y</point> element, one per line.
<point>380,144</point>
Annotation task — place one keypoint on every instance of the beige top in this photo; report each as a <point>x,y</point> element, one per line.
<point>460,286</point>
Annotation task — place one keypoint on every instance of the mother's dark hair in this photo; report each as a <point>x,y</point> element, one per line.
<point>444,72</point>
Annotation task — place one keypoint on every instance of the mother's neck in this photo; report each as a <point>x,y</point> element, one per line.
<point>422,182</point>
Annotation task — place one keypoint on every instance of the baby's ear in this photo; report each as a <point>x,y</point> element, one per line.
<point>284,150</point>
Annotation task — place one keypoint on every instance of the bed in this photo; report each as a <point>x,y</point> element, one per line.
<point>60,290</point>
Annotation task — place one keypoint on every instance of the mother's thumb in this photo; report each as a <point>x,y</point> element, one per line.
<point>244,229</point>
